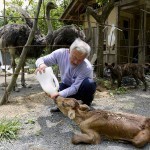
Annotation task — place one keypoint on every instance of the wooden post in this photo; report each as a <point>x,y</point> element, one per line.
<point>118,39</point>
<point>142,38</point>
<point>100,52</point>
<point>129,43</point>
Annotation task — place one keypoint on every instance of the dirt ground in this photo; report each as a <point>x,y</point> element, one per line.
<point>54,131</point>
<point>27,99</point>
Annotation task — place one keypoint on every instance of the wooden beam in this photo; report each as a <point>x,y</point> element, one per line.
<point>148,3</point>
<point>128,7</point>
<point>127,2</point>
<point>67,11</point>
<point>148,12</point>
<point>142,37</point>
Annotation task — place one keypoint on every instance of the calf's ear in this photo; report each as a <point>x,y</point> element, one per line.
<point>84,107</point>
<point>80,101</point>
<point>71,114</point>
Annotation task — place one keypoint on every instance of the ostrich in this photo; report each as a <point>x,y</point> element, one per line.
<point>26,16</point>
<point>14,36</point>
<point>64,36</point>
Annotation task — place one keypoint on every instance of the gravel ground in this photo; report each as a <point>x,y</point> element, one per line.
<point>53,131</point>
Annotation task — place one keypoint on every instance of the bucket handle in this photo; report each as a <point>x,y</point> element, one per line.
<point>55,81</point>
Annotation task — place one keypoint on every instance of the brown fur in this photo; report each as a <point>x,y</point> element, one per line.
<point>94,124</point>
<point>119,71</point>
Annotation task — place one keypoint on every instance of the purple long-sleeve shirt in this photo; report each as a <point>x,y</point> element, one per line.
<point>70,75</point>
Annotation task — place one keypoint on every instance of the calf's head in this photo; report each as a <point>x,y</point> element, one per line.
<point>70,106</point>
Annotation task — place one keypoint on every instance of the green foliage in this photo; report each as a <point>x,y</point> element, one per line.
<point>15,17</point>
<point>31,70</point>
<point>104,83</point>
<point>120,90</point>
<point>102,2</point>
<point>30,121</point>
<point>54,15</point>
<point>112,90</point>
<point>12,15</point>
<point>55,69</point>
<point>1,22</point>
<point>107,84</point>
<point>31,61</point>
<point>9,129</point>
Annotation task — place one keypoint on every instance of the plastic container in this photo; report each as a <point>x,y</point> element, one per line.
<point>48,81</point>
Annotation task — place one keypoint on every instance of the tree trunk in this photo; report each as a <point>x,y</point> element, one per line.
<point>101,20</point>
<point>100,53</point>
<point>142,38</point>
<point>22,57</point>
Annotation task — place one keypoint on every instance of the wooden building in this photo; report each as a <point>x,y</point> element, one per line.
<point>126,30</point>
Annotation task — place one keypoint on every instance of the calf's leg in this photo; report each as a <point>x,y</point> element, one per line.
<point>89,137</point>
<point>142,138</point>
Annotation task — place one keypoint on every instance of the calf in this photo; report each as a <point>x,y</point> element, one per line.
<point>119,71</point>
<point>95,124</point>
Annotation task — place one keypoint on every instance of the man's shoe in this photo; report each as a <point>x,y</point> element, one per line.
<point>54,109</point>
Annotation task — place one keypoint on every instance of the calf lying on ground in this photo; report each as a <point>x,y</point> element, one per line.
<point>119,71</point>
<point>94,124</point>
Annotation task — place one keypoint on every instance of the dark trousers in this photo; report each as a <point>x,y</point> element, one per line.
<point>85,93</point>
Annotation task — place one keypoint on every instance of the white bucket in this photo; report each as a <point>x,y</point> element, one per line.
<point>48,81</point>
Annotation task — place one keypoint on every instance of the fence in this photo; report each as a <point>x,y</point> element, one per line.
<point>125,51</point>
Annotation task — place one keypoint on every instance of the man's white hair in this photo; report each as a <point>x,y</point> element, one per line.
<point>80,46</point>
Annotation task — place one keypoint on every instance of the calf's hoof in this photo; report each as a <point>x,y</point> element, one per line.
<point>76,140</point>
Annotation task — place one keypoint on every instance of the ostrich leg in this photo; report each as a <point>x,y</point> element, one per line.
<point>13,65</point>
<point>23,76</point>
<point>23,81</point>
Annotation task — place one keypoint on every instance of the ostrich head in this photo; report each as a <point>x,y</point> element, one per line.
<point>50,5</point>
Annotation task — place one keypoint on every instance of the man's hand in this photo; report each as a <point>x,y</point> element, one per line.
<point>41,68</point>
<point>54,96</point>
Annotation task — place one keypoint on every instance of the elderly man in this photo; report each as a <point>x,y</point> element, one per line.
<point>75,70</point>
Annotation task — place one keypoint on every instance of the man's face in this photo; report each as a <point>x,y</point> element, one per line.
<point>76,57</point>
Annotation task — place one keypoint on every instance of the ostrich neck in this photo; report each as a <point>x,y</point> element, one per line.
<point>49,23</point>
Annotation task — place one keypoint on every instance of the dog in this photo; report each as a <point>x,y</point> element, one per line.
<point>129,69</point>
<point>95,124</point>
